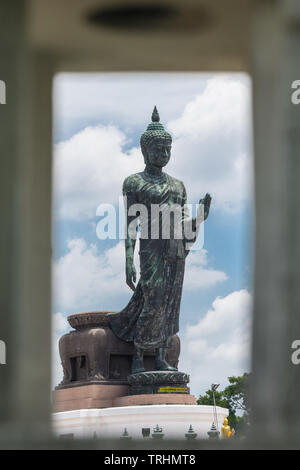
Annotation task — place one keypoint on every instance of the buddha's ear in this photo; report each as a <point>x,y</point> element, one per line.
<point>145,155</point>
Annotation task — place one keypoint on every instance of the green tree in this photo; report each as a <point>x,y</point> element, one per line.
<point>234,397</point>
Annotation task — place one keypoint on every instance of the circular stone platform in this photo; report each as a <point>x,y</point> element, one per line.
<point>174,420</point>
<point>158,382</point>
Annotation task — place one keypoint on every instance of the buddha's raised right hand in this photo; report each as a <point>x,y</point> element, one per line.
<point>206,201</point>
<point>130,274</point>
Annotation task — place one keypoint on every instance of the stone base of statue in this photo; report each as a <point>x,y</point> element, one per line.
<point>99,397</point>
<point>97,370</point>
<point>91,396</point>
<point>92,353</point>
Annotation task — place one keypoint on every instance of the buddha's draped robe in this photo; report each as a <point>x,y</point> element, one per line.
<point>152,314</point>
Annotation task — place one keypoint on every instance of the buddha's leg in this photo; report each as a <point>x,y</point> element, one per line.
<point>138,361</point>
<point>150,326</point>
<point>150,330</point>
<point>160,359</point>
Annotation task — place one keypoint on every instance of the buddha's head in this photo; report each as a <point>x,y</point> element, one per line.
<point>156,143</point>
<point>225,422</point>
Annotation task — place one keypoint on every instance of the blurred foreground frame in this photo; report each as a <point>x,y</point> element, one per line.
<point>40,38</point>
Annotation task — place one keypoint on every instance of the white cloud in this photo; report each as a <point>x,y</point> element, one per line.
<point>197,275</point>
<point>84,279</point>
<point>211,152</point>
<point>212,147</point>
<point>57,372</point>
<point>122,99</point>
<point>59,322</point>
<point>218,346</point>
<point>60,326</point>
<point>89,169</point>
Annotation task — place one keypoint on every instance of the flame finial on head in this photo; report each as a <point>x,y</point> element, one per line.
<point>155,115</point>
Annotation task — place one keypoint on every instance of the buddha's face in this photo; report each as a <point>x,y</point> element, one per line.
<point>159,152</point>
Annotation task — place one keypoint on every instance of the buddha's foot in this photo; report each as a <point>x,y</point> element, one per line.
<point>162,364</point>
<point>160,361</point>
<point>137,365</point>
<point>96,376</point>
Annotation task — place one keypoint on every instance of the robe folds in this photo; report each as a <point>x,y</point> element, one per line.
<point>152,314</point>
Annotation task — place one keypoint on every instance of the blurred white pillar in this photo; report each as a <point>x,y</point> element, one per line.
<point>276,383</point>
<point>25,186</point>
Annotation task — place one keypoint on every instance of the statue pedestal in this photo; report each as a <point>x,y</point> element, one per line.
<point>159,382</point>
<point>99,398</point>
<point>93,396</point>
<point>156,399</point>
<point>92,353</point>
<point>97,368</point>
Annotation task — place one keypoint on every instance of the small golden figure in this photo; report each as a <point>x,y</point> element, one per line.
<point>225,430</point>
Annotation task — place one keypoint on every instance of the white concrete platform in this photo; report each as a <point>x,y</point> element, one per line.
<point>110,422</point>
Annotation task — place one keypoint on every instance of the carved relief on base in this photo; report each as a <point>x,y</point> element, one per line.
<point>92,353</point>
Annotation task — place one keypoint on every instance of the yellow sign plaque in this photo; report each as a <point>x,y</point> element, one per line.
<point>172,390</point>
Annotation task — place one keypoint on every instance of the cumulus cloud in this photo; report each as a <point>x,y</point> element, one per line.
<point>84,279</point>
<point>89,169</point>
<point>198,275</point>
<point>211,152</point>
<point>212,146</point>
<point>218,346</point>
<point>60,326</point>
<point>59,322</point>
<point>120,98</point>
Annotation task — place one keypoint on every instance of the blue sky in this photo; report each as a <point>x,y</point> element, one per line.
<point>98,120</point>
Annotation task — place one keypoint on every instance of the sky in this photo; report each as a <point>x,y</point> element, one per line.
<point>98,120</point>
